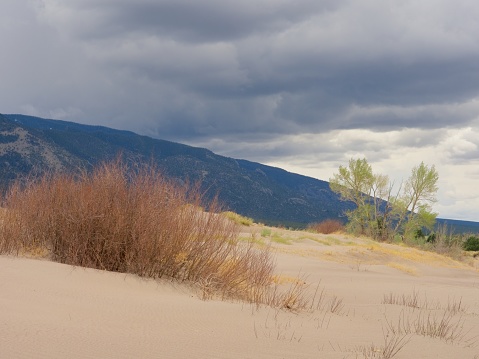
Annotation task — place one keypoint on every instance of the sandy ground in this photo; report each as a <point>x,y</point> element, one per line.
<point>50,310</point>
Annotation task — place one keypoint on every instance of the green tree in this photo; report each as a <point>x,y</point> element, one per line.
<point>414,208</point>
<point>354,183</point>
<point>376,209</point>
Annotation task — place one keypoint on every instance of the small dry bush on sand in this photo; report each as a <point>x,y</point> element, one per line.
<point>393,344</point>
<point>443,326</point>
<point>326,227</point>
<point>135,221</point>
<point>453,306</point>
<point>430,318</point>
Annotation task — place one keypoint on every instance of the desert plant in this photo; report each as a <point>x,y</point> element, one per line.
<point>133,220</point>
<point>406,300</point>
<point>336,305</point>
<point>326,227</point>
<point>445,327</point>
<point>298,297</point>
<point>454,306</point>
<point>393,344</point>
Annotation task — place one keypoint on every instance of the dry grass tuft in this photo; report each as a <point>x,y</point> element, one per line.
<point>414,255</point>
<point>293,299</point>
<point>336,305</point>
<point>286,279</point>
<point>412,300</point>
<point>296,297</point>
<point>393,344</point>
<point>443,326</point>
<point>403,268</point>
<point>429,318</point>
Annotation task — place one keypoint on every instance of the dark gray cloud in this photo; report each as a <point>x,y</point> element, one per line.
<point>295,82</point>
<point>183,20</point>
<point>210,68</point>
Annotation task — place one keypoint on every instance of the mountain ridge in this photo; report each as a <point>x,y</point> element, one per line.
<point>265,193</point>
<point>268,194</point>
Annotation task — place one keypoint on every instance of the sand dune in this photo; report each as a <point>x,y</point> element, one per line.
<point>50,310</point>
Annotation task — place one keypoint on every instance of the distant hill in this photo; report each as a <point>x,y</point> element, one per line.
<point>457,226</point>
<point>267,194</point>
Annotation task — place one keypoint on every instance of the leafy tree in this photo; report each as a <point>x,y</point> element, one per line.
<point>414,209</point>
<point>471,244</point>
<point>380,214</point>
<point>354,183</point>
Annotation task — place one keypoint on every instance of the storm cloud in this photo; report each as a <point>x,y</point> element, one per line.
<point>300,84</point>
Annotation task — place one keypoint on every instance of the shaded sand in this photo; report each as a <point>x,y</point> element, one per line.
<point>50,310</point>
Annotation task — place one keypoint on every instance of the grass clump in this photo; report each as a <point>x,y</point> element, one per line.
<point>393,344</point>
<point>265,232</point>
<point>239,219</point>
<point>326,227</point>
<point>453,306</point>
<point>275,237</point>
<point>135,221</point>
<point>443,326</point>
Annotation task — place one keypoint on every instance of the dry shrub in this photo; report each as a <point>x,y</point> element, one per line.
<point>445,326</point>
<point>295,298</point>
<point>135,221</point>
<point>406,300</point>
<point>326,227</point>
<point>429,318</point>
<point>453,306</point>
<point>393,344</point>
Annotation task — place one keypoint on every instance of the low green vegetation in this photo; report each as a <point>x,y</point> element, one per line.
<point>402,217</point>
<point>265,232</point>
<point>239,219</point>
<point>275,237</point>
<point>471,244</point>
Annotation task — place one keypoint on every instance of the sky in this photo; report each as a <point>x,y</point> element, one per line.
<point>304,85</point>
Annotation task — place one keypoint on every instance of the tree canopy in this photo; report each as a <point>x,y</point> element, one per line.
<point>380,214</point>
